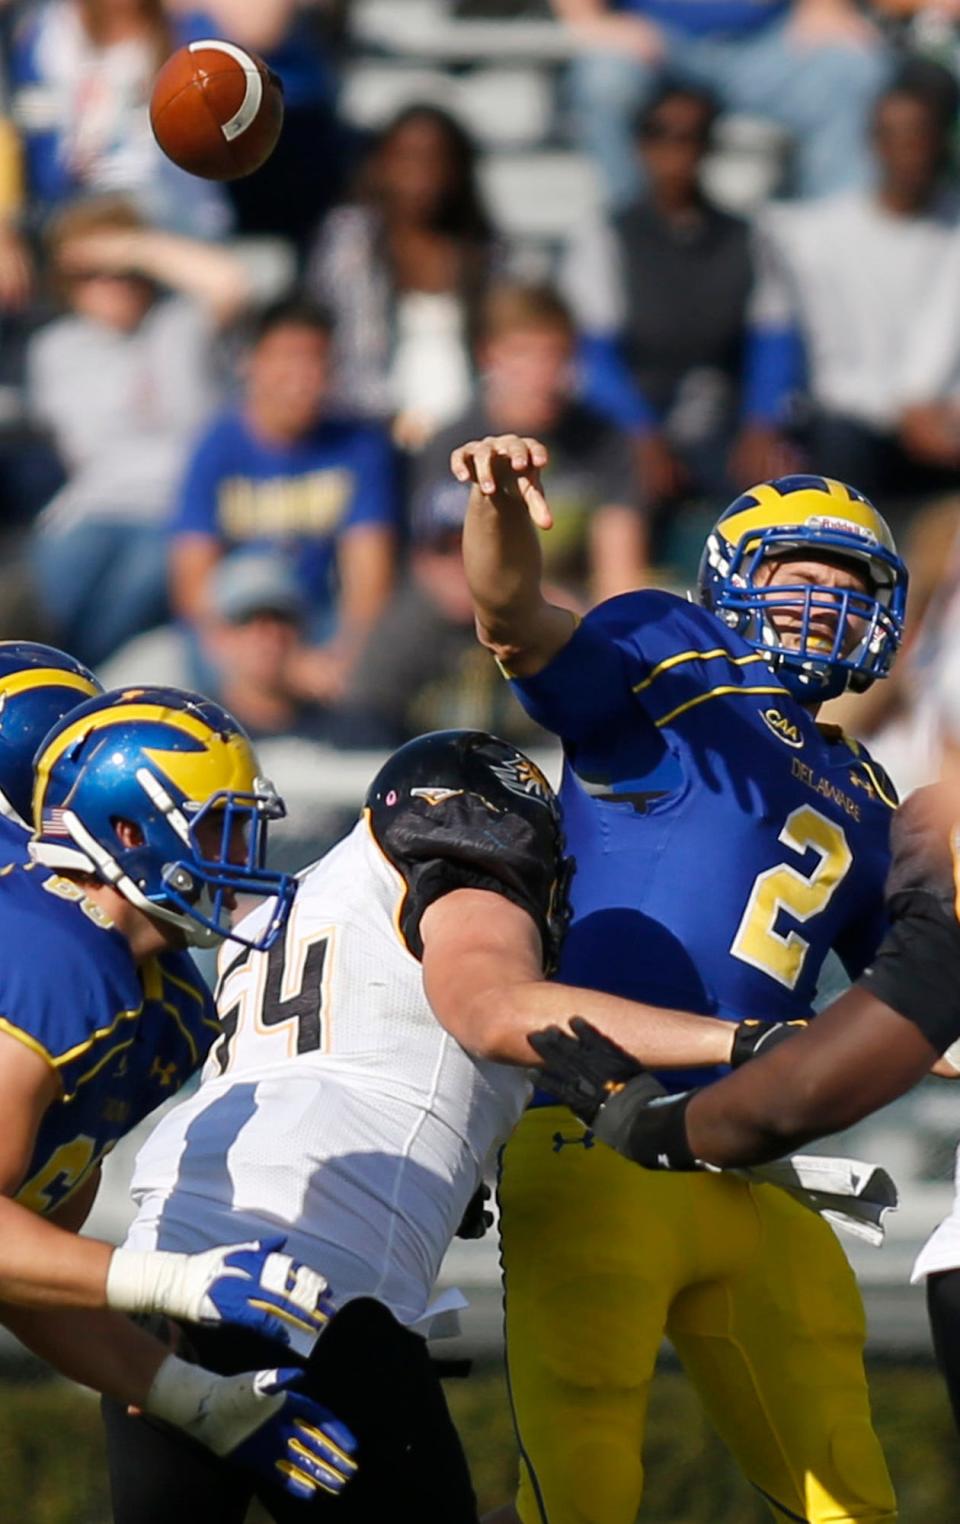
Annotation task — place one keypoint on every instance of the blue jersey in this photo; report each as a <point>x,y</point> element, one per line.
<point>298,498</point>
<point>723,842</point>
<point>710,18</point>
<point>121,1038</point>
<point>13,842</point>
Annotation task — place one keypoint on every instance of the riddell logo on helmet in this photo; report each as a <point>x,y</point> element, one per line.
<point>783,728</point>
<point>845,526</point>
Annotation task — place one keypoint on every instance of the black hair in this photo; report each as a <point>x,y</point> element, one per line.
<point>930,84</point>
<point>672,89</point>
<point>295,311</point>
<point>462,212</point>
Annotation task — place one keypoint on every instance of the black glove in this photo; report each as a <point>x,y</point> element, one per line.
<point>476,1219</point>
<point>751,1038</point>
<point>582,1071</point>
<point>615,1095</point>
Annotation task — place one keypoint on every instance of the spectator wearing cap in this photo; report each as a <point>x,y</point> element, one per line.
<point>253,643</point>
<point>813,66</point>
<point>279,473</point>
<point>526,354</point>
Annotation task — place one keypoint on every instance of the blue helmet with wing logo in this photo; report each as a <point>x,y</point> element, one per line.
<point>158,792</point>
<point>818,639</point>
<point>38,686</point>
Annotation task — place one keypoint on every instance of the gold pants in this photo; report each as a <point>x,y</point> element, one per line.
<point>602,1258</point>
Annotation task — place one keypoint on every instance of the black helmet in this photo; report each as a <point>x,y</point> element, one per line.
<point>469,808</point>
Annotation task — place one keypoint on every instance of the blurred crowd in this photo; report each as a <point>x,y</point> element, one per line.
<point>226,411</point>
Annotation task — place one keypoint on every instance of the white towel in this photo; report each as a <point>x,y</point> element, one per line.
<point>850,1194</point>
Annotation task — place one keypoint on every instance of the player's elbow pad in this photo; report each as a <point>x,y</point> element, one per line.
<point>644,1125</point>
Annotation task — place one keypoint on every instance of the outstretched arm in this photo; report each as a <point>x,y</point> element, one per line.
<point>483,975</point>
<point>857,1056</point>
<point>501,552</point>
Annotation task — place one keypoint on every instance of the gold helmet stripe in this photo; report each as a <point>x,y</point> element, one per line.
<point>773,511</point>
<point>46,677</point>
<point>121,714</point>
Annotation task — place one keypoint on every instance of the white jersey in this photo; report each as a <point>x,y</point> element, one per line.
<point>336,1109</point>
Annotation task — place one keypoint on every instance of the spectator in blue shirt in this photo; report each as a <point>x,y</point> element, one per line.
<point>278,474</point>
<point>814,66</point>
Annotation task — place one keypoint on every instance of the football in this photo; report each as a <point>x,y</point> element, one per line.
<point>216,110</point>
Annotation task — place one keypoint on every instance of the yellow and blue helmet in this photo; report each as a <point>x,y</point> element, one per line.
<point>38,686</point>
<point>182,771</point>
<point>826,520</point>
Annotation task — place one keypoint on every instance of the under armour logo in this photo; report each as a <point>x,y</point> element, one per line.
<point>863,783</point>
<point>585,1139</point>
<point>165,1073</point>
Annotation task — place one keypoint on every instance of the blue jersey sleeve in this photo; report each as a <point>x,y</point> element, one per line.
<point>197,509</point>
<point>605,673</point>
<point>375,498</point>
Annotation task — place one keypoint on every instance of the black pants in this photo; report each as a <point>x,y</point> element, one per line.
<point>370,1372</point>
<point>943,1309</point>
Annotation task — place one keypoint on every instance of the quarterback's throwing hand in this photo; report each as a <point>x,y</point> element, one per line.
<point>249,1284</point>
<point>506,468</point>
<point>585,1069</point>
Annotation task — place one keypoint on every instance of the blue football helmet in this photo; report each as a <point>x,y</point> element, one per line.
<point>38,686</point>
<point>182,771</point>
<point>825,520</point>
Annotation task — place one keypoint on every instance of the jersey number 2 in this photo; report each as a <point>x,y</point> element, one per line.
<point>798,895</point>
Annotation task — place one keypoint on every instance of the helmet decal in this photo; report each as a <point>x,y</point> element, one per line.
<point>38,686</point>
<point>181,770</point>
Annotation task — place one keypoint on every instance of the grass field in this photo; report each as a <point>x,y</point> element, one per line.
<point>51,1455</point>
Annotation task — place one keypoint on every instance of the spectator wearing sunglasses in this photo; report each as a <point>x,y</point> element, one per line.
<point>812,66</point>
<point>662,292</point>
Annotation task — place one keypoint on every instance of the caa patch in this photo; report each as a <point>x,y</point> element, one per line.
<point>521,776</point>
<point>783,728</point>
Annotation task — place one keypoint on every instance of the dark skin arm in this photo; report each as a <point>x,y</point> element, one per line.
<point>857,1056</point>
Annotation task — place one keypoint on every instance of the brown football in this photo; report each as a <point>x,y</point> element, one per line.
<point>216,110</point>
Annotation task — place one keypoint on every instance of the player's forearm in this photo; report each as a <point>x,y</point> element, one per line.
<point>658,1038</point>
<point>504,566</point>
<point>42,1265</point>
<point>858,1056</point>
<point>100,1349</point>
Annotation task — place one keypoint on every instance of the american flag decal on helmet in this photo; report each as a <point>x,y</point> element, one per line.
<point>52,823</point>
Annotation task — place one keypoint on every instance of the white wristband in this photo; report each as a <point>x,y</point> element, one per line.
<point>151,1282</point>
<point>180,1392</point>
<point>218,1411</point>
<point>952,1055</point>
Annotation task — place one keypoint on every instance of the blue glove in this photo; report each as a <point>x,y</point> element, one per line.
<point>249,1284</point>
<point>301,1446</point>
<point>259,1420</point>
